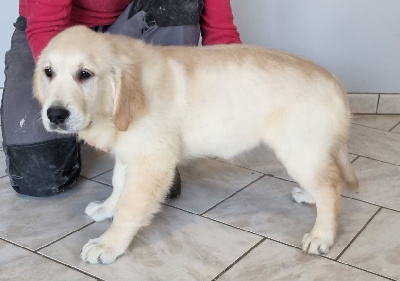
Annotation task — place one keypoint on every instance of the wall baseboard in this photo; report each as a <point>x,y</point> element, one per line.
<point>374,103</point>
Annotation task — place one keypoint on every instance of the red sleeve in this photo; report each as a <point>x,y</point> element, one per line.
<point>45,19</point>
<point>216,23</point>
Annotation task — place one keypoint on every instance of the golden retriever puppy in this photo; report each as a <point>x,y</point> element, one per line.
<point>154,107</point>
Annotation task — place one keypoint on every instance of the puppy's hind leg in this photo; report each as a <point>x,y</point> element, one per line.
<point>99,210</point>
<point>326,192</point>
<point>320,180</point>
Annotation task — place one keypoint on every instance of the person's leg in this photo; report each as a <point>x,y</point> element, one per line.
<point>39,163</point>
<point>161,22</point>
<point>176,25</point>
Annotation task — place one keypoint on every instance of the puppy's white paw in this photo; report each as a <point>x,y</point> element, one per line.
<point>99,211</point>
<point>316,245</point>
<point>301,196</point>
<point>98,251</point>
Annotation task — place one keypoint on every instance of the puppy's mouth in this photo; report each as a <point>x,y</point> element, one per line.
<point>61,128</point>
<point>64,129</point>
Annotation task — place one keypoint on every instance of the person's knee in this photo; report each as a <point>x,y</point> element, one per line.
<point>43,169</point>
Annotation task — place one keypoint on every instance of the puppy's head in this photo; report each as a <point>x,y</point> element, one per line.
<point>83,77</point>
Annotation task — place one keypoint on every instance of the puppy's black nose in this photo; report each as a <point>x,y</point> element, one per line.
<point>57,115</point>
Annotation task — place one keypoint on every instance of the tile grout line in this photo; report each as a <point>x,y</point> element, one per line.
<point>104,183</point>
<point>102,173</point>
<point>230,196</point>
<point>52,259</point>
<point>357,234</point>
<point>397,165</point>
<point>260,172</point>
<point>377,104</point>
<point>279,178</point>
<point>372,114</point>
<point>375,114</point>
<point>354,160</point>
<point>370,203</point>
<point>181,209</point>
<point>16,244</point>
<point>71,266</point>
<point>96,181</point>
<point>86,178</point>
<point>236,227</point>
<point>390,130</point>
<point>239,259</point>
<point>254,233</point>
<point>369,127</point>
<point>64,236</point>
<point>373,128</point>
<point>236,165</point>
<point>360,268</point>
<point>378,129</point>
<point>276,177</point>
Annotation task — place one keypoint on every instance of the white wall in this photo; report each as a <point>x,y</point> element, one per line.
<point>358,40</point>
<point>8,15</point>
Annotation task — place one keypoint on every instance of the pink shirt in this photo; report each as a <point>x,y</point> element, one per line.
<point>46,18</point>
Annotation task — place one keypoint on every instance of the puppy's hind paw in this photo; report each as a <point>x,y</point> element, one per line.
<point>99,211</point>
<point>315,245</point>
<point>302,196</point>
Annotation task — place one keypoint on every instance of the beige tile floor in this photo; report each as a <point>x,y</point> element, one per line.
<point>234,221</point>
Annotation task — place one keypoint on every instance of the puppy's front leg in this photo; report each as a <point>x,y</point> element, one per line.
<point>145,188</point>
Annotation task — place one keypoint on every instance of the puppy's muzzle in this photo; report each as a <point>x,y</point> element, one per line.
<point>57,115</point>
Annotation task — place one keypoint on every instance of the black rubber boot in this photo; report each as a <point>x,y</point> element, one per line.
<point>43,169</point>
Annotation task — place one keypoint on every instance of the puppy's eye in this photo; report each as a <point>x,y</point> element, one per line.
<point>48,72</point>
<point>84,75</point>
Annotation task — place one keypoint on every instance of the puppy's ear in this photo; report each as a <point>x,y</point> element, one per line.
<point>129,101</point>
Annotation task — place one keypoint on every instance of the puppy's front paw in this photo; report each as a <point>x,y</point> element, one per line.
<point>316,245</point>
<point>98,251</point>
<point>99,211</point>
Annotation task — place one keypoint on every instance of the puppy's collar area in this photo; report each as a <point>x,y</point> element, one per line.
<point>91,143</point>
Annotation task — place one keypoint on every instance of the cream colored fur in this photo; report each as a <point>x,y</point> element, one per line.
<point>153,107</point>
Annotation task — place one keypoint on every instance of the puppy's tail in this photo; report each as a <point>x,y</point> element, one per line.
<point>346,170</point>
